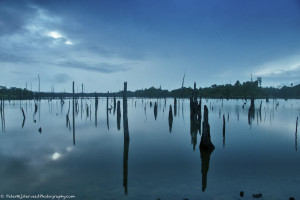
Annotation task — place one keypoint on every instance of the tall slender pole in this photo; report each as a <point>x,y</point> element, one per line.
<point>73,115</point>
<point>39,87</point>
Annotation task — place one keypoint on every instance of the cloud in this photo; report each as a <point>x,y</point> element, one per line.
<point>57,35</point>
<point>280,72</point>
<point>54,34</point>
<point>13,16</point>
<point>280,67</point>
<point>7,57</point>
<point>99,67</point>
<point>61,78</point>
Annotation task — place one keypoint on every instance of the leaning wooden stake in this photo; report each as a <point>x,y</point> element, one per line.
<point>24,117</point>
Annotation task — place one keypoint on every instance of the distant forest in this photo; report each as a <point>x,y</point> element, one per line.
<point>246,90</point>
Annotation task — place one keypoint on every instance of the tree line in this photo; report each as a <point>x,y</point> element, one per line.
<point>245,90</point>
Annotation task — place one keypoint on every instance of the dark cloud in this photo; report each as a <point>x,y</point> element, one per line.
<point>100,67</point>
<point>61,78</point>
<point>14,15</point>
<point>5,57</point>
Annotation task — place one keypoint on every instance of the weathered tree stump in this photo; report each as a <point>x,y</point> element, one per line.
<point>205,138</point>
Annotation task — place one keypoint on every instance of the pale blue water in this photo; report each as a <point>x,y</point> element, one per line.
<point>260,157</point>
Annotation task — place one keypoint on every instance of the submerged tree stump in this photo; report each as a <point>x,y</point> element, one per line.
<point>205,138</point>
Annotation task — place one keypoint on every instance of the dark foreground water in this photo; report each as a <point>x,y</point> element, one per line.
<point>255,155</point>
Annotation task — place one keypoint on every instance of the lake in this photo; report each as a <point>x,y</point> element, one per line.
<point>254,154</point>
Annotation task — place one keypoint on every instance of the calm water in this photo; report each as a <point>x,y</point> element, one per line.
<point>256,156</point>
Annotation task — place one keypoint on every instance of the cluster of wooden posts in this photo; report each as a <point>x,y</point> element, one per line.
<point>2,114</point>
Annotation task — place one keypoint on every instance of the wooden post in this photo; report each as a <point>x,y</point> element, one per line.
<point>115,103</point>
<point>125,115</point>
<point>223,131</point>
<point>175,106</point>
<point>126,139</point>
<point>107,117</point>
<point>73,114</point>
<point>195,92</point>
<point>39,98</point>
<point>296,145</point>
<point>96,108</point>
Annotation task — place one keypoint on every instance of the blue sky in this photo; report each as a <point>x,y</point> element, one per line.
<point>148,43</point>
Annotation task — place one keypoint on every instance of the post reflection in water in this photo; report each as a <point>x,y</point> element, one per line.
<point>205,158</point>
<point>155,110</point>
<point>126,139</point>
<point>251,112</point>
<point>206,148</point>
<point>170,119</point>
<point>118,115</point>
<point>195,121</point>
<point>119,181</point>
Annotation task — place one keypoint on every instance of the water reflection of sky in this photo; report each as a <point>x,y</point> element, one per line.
<point>256,158</point>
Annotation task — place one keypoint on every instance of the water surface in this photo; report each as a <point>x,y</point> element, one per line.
<point>256,155</point>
